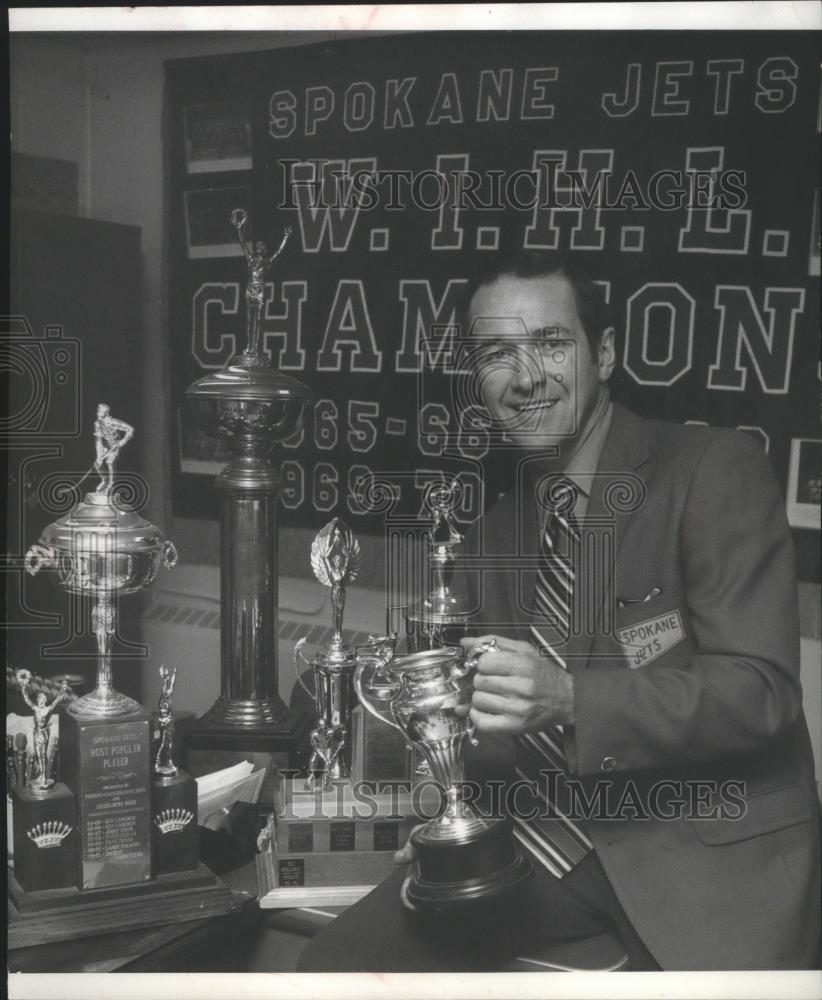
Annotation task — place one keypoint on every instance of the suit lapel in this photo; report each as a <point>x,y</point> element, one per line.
<point>617,492</point>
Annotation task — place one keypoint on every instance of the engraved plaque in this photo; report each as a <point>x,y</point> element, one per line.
<point>379,751</point>
<point>291,873</point>
<point>343,833</point>
<point>386,836</point>
<point>108,764</point>
<point>301,837</point>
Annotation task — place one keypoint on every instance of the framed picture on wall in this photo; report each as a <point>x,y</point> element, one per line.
<point>217,137</point>
<point>804,499</point>
<point>209,232</point>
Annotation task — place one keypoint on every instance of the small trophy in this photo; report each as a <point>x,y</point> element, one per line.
<point>335,560</point>
<point>44,812</point>
<point>42,782</point>
<point>442,609</point>
<point>104,550</point>
<point>174,830</point>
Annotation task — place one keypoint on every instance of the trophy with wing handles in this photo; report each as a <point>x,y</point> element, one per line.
<point>335,560</point>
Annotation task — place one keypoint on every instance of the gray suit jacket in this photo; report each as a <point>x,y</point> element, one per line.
<point>699,683</point>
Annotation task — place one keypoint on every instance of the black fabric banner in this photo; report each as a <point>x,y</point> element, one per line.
<point>679,169</point>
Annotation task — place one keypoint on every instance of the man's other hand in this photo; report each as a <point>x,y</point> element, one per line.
<point>518,690</point>
<point>407,853</point>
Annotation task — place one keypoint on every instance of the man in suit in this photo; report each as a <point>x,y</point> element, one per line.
<point>653,661</point>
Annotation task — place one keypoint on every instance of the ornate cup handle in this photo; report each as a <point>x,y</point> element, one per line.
<point>296,656</point>
<point>169,556</point>
<point>369,664</point>
<point>469,663</point>
<point>463,669</point>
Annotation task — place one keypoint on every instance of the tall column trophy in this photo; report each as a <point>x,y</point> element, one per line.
<point>335,560</point>
<point>426,695</point>
<point>252,406</point>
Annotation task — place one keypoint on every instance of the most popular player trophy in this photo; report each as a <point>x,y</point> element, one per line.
<point>252,406</point>
<point>105,847</point>
<point>335,560</point>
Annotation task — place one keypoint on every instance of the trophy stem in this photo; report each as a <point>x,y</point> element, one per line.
<point>103,621</point>
<point>445,759</point>
<point>103,701</point>
<point>249,694</point>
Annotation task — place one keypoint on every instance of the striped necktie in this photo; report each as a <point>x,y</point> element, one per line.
<point>553,838</point>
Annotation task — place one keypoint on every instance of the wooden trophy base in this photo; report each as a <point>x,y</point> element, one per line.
<point>47,915</point>
<point>453,874</point>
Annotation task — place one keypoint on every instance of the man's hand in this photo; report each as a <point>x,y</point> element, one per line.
<point>407,853</point>
<point>518,690</point>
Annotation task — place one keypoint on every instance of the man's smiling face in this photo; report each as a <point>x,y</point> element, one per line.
<point>536,373</point>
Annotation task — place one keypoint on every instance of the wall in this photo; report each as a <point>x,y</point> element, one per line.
<point>98,100</point>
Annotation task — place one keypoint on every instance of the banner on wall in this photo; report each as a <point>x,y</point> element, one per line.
<point>679,169</point>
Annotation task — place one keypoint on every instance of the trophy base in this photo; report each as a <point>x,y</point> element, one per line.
<point>250,713</point>
<point>38,918</point>
<point>103,704</point>
<point>209,746</point>
<point>480,867</point>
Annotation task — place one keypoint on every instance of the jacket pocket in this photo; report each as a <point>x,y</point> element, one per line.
<point>647,630</point>
<point>765,813</point>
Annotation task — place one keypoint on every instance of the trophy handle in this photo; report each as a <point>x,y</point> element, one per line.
<point>296,657</point>
<point>370,683</point>
<point>39,557</point>
<point>169,555</point>
<point>470,662</point>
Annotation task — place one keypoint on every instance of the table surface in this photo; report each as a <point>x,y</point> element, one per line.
<point>248,940</point>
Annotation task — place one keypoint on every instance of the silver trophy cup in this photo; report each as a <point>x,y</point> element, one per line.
<point>103,550</point>
<point>461,856</point>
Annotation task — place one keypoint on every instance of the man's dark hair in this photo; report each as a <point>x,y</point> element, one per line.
<point>591,307</point>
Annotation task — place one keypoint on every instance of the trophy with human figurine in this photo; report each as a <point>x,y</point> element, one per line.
<point>251,406</point>
<point>335,561</point>
<point>337,826</point>
<point>90,847</point>
<point>441,612</point>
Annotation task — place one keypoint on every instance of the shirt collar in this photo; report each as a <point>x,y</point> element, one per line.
<point>584,462</point>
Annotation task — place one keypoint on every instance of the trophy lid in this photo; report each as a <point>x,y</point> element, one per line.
<point>241,379</point>
<point>97,515</point>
